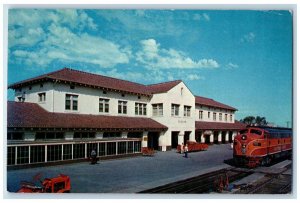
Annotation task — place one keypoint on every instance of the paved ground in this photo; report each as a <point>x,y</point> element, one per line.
<point>130,175</point>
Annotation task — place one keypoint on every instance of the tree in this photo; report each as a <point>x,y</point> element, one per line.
<point>256,121</point>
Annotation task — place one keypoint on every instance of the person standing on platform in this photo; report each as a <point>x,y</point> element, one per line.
<point>182,148</point>
<point>186,149</point>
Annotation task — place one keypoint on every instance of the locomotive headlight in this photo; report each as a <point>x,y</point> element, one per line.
<point>244,146</point>
<point>244,137</point>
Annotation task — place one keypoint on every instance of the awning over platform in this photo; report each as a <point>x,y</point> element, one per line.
<point>201,125</point>
<point>31,115</point>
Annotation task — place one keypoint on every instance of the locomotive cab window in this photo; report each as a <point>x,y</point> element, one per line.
<point>243,131</point>
<point>257,132</point>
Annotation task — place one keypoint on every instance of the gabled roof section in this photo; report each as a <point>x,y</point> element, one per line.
<point>162,87</point>
<point>212,103</point>
<point>87,79</point>
<point>31,115</point>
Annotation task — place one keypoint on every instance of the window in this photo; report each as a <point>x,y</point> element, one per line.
<point>121,147</point>
<point>42,97</point>
<point>78,151</point>
<point>72,87</point>
<point>84,135</point>
<point>67,152</point>
<point>54,152</point>
<point>122,107</point>
<point>157,109</point>
<point>23,155</point>
<point>220,116</point>
<point>71,102</point>
<point>225,117</point>
<point>215,116</point>
<point>49,135</point>
<point>37,154</point>
<point>230,117</point>
<point>103,105</point>
<point>15,136</point>
<point>187,111</point>
<point>201,115</point>
<point>111,134</point>
<point>208,114</point>
<point>175,110</point>
<point>11,155</point>
<point>140,109</point>
<point>41,85</point>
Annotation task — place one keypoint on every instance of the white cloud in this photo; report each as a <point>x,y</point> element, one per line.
<point>198,17</point>
<point>248,37</point>
<point>59,36</point>
<point>232,66</point>
<point>152,56</point>
<point>27,26</point>
<point>206,17</point>
<point>194,77</point>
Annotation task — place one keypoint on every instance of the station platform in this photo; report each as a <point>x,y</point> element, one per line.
<point>129,175</point>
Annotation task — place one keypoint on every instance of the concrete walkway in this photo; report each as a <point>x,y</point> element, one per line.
<point>130,175</point>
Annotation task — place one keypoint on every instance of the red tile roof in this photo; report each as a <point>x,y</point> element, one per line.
<point>98,81</point>
<point>202,125</point>
<point>212,103</point>
<point>89,79</point>
<point>31,115</point>
<point>162,87</point>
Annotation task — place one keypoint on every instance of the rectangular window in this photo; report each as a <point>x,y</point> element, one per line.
<point>208,114</point>
<point>15,136</point>
<point>37,154</point>
<point>71,102</point>
<point>200,115</point>
<point>67,153</point>
<point>220,116</point>
<point>78,151</point>
<point>111,148</point>
<point>157,109</point>
<point>111,134</point>
<point>215,116</point>
<point>84,135</point>
<point>102,149</point>
<point>175,110</point>
<point>23,155</point>
<point>225,117</point>
<point>230,118</point>
<point>103,105</point>
<point>54,152</point>
<point>11,155</point>
<point>49,135</point>
<point>187,111</point>
<point>140,109</point>
<point>121,147</point>
<point>42,97</point>
<point>122,107</point>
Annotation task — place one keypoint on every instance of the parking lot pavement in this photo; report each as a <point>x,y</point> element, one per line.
<point>129,175</point>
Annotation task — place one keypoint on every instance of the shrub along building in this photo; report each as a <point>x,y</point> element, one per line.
<point>63,115</point>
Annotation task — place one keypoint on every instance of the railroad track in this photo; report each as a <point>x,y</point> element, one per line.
<point>270,184</point>
<point>200,184</point>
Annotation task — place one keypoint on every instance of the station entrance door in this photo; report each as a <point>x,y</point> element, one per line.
<point>153,140</point>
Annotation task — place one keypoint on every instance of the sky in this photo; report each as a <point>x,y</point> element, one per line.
<point>242,58</point>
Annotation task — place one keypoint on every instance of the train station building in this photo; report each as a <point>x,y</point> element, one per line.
<point>63,115</point>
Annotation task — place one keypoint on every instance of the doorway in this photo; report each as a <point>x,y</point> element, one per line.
<point>153,140</point>
<point>174,140</point>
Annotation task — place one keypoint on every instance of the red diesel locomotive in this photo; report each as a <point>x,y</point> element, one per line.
<point>256,146</point>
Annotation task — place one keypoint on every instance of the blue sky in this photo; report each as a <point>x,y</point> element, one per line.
<point>242,58</point>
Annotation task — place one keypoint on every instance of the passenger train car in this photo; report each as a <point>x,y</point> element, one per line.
<point>260,145</point>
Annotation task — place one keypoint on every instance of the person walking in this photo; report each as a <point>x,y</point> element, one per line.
<point>186,149</point>
<point>93,156</point>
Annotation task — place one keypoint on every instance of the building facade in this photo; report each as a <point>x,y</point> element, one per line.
<point>63,115</point>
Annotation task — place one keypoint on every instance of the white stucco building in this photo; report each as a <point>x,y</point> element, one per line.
<point>62,115</point>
